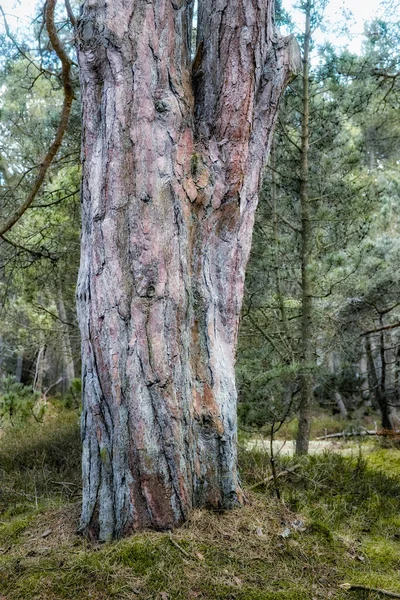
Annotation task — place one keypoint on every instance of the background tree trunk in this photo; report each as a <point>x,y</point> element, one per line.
<point>171,167</point>
<point>40,369</point>
<point>307,352</point>
<point>19,367</point>
<point>376,386</point>
<point>68,367</point>
<point>334,366</point>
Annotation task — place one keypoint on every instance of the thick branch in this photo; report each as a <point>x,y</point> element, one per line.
<point>62,127</point>
<point>282,63</point>
<point>238,55</point>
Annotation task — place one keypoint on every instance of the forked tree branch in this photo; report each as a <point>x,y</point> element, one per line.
<point>64,118</point>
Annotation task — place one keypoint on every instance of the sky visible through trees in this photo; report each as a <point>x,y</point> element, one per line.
<point>20,12</point>
<point>351,12</point>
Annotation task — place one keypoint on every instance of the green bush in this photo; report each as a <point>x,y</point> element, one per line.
<point>17,401</point>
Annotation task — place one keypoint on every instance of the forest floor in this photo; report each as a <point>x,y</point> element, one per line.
<point>337,522</point>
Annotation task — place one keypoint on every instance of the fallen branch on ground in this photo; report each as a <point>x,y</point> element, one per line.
<point>178,547</point>
<point>350,587</point>
<point>359,433</point>
<point>271,477</point>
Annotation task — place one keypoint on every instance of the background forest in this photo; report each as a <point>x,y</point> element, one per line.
<point>320,322</point>
<point>319,344</point>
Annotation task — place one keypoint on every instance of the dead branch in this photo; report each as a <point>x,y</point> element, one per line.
<point>358,433</point>
<point>384,328</point>
<point>71,15</point>
<point>351,587</point>
<point>52,386</point>
<point>178,547</point>
<point>271,477</point>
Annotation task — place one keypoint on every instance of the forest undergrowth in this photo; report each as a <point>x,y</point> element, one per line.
<point>337,522</point>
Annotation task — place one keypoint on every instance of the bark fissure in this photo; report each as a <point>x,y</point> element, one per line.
<point>171,168</point>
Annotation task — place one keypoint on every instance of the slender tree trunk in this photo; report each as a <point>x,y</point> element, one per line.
<point>397,374</point>
<point>376,386</point>
<point>382,353</point>
<point>341,406</point>
<point>65,342</point>
<point>390,411</point>
<point>277,265</point>
<point>307,355</point>
<point>19,367</point>
<point>171,167</point>
<point>365,390</point>
<point>40,369</point>
<point>1,358</point>
<point>333,363</point>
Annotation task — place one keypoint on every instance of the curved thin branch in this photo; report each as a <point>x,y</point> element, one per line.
<point>62,127</point>
<point>70,13</point>
<point>24,248</point>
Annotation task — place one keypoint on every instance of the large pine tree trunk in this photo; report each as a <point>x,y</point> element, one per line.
<point>171,168</point>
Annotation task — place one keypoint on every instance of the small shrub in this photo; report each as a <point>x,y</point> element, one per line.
<point>17,401</point>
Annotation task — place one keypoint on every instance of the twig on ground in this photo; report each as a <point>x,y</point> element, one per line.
<point>271,477</point>
<point>354,587</point>
<point>66,483</point>
<point>178,547</point>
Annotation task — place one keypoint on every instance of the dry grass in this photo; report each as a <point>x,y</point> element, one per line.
<point>230,555</point>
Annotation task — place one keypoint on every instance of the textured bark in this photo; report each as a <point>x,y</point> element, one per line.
<point>307,353</point>
<point>171,169</point>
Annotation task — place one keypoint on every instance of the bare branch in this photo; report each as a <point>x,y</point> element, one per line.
<point>24,248</point>
<point>378,329</point>
<point>71,15</point>
<point>56,317</point>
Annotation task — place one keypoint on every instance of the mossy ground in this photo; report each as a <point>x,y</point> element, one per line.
<point>347,529</point>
